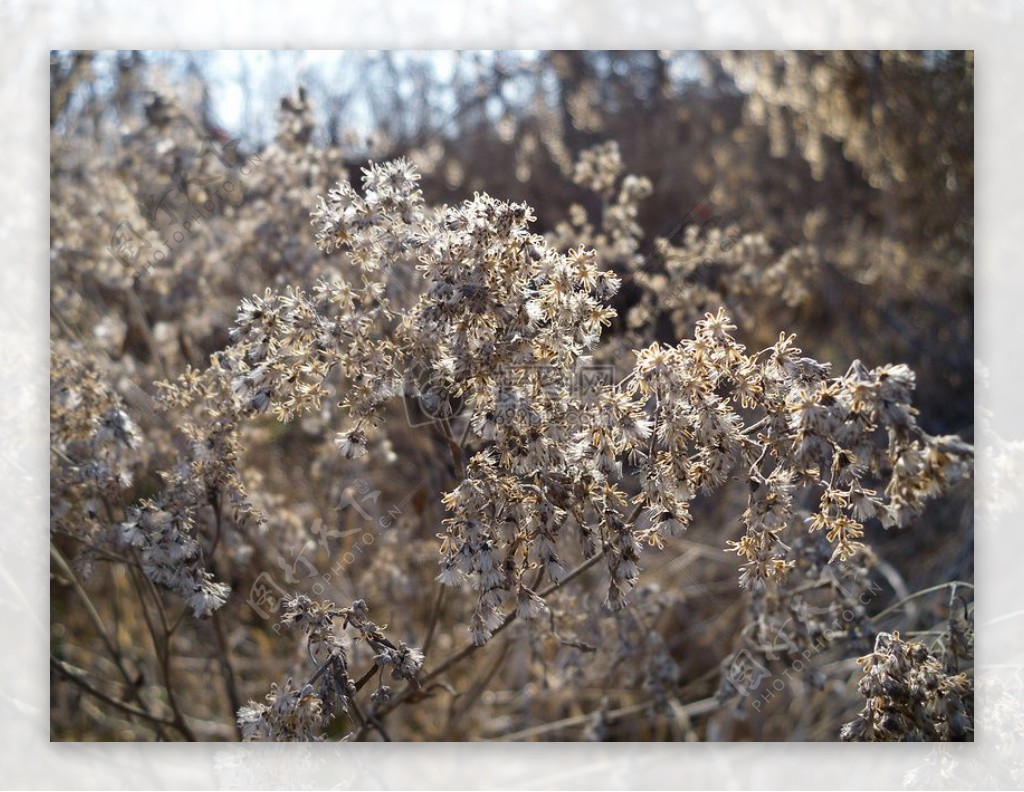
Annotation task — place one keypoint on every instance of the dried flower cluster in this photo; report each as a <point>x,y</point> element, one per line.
<point>292,714</point>
<point>503,322</point>
<point>617,237</point>
<point>910,696</point>
<point>95,447</point>
<point>522,389</point>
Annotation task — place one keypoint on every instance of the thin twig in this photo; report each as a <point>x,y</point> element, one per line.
<point>375,722</point>
<point>695,709</point>
<point>456,450</point>
<point>920,593</point>
<point>224,650</point>
<point>466,651</point>
<point>103,555</point>
<point>79,680</point>
<point>471,649</point>
<point>138,312</point>
<point>163,650</point>
<point>215,503</point>
<point>435,614</point>
<point>94,615</point>
<point>470,698</point>
<point>366,677</point>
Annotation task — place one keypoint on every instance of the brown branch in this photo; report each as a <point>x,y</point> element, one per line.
<point>224,652</point>
<point>162,649</point>
<point>417,684</point>
<point>93,614</point>
<point>466,702</point>
<point>435,614</point>
<point>458,458</point>
<point>466,651</point>
<point>471,649</point>
<point>702,707</point>
<point>63,669</point>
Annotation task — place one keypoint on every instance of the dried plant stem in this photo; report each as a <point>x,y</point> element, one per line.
<point>461,705</point>
<point>921,593</point>
<point>361,682</point>
<point>466,651</point>
<point>108,642</point>
<point>899,586</point>
<point>217,520</point>
<point>695,709</point>
<point>104,555</point>
<point>93,614</point>
<point>224,651</point>
<point>366,720</point>
<point>471,649</point>
<point>375,722</point>
<point>77,678</point>
<point>162,646</point>
<point>458,461</point>
<point>435,614</point>
<point>461,655</point>
<point>456,450</point>
<point>138,312</point>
